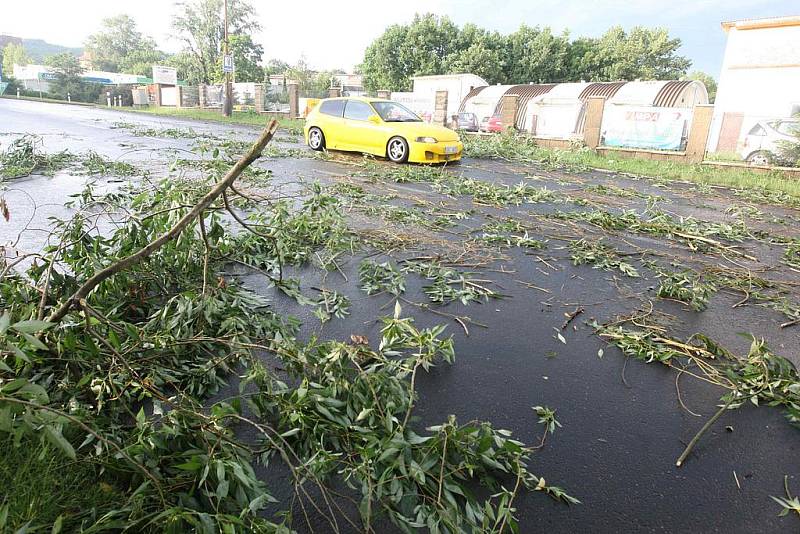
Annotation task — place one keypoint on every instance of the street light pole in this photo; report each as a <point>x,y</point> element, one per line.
<point>227,106</point>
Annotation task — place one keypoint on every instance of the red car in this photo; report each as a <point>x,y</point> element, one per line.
<point>492,124</point>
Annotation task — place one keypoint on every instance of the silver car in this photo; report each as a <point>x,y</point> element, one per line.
<point>761,145</point>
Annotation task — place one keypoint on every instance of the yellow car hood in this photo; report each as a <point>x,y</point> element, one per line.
<point>412,130</point>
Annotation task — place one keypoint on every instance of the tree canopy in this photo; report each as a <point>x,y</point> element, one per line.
<point>431,44</point>
<point>246,59</point>
<point>67,70</point>
<point>120,47</point>
<point>13,54</point>
<point>199,25</point>
<point>708,81</point>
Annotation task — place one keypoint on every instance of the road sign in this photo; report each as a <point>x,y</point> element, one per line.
<point>227,63</point>
<point>165,75</point>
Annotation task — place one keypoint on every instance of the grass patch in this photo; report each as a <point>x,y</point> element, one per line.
<point>40,485</point>
<point>523,149</point>
<point>250,118</point>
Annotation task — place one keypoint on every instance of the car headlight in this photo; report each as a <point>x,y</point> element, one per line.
<point>426,140</point>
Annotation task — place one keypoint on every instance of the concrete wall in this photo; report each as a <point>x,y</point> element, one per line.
<point>760,76</point>
<point>189,96</point>
<point>508,114</point>
<point>441,113</point>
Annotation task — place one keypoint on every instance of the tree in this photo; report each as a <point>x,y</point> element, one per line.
<point>275,66</point>
<point>582,59</point>
<point>120,47</point>
<point>434,45</point>
<point>186,65</point>
<point>309,83</point>
<point>708,81</point>
<point>13,54</point>
<point>199,24</point>
<point>141,61</point>
<point>478,52</point>
<point>67,71</point>
<point>246,59</point>
<point>536,55</point>
<point>403,51</point>
<point>643,53</point>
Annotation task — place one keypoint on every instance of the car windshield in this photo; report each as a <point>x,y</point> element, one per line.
<point>789,127</point>
<point>394,112</point>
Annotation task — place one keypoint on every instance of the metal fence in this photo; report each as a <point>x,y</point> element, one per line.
<point>276,98</point>
<point>214,95</point>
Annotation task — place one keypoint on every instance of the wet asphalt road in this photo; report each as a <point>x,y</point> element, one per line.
<point>623,425</point>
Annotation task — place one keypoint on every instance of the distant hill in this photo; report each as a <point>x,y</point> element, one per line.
<point>38,49</point>
<point>5,39</point>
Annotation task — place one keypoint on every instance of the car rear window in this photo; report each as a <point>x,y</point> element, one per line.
<point>332,107</point>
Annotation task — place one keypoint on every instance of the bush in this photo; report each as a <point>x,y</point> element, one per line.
<point>789,151</point>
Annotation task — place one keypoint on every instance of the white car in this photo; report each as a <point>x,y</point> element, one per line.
<point>761,145</point>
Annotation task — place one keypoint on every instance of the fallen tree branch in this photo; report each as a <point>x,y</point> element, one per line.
<point>180,226</point>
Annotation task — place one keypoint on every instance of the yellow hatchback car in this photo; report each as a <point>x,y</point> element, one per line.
<point>380,127</point>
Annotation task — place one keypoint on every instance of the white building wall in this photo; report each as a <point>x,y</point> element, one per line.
<point>760,76</point>
<point>456,85</point>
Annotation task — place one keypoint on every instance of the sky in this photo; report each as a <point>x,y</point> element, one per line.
<point>331,34</point>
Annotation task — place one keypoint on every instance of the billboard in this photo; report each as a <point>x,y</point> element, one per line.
<point>645,127</point>
<point>165,75</point>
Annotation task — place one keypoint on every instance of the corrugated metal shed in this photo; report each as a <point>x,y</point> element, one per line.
<point>473,93</point>
<point>681,94</point>
<point>524,93</point>
<point>538,100</point>
<point>606,89</point>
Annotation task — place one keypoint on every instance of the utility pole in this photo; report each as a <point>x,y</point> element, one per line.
<point>227,106</point>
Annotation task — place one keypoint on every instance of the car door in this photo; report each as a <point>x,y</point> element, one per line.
<point>754,141</point>
<point>330,121</point>
<point>362,134</point>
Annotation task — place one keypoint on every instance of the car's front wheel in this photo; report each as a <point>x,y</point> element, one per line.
<point>397,150</point>
<point>316,139</point>
<point>761,158</point>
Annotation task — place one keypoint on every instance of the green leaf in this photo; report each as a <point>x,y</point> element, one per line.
<point>414,439</point>
<point>57,438</point>
<point>34,341</point>
<point>57,525</point>
<point>259,502</point>
<point>31,326</point>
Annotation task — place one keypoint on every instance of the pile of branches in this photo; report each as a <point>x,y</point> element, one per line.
<point>112,342</point>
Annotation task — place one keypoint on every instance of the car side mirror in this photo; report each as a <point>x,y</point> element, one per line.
<point>374,119</point>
